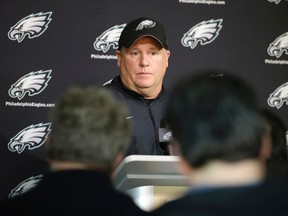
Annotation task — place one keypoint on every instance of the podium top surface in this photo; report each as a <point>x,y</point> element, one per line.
<point>144,170</point>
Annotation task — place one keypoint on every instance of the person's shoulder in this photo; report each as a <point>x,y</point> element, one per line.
<point>279,183</point>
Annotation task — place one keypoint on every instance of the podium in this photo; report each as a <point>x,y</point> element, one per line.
<point>150,180</point>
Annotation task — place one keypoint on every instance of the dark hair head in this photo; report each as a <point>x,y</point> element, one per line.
<point>215,117</point>
<point>88,126</point>
<point>277,163</point>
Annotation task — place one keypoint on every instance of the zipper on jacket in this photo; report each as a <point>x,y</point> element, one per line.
<point>156,138</point>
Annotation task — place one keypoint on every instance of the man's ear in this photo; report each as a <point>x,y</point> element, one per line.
<point>167,58</point>
<point>118,159</point>
<point>46,146</point>
<point>118,54</point>
<point>184,167</point>
<point>266,146</point>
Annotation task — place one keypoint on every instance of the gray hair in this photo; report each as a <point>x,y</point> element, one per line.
<point>89,126</point>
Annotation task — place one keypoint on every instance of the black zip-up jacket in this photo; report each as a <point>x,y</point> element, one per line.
<point>146,116</point>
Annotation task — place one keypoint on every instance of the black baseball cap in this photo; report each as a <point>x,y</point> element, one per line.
<point>142,27</point>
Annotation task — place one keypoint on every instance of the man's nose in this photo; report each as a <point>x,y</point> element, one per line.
<point>144,60</point>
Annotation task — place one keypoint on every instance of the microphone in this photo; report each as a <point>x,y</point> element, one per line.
<point>165,137</point>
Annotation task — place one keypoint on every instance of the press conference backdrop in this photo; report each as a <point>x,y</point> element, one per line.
<point>49,45</point>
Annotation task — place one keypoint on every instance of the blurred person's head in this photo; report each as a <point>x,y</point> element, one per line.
<point>217,119</point>
<point>89,129</point>
<point>277,163</point>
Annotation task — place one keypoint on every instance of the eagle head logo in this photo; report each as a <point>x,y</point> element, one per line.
<point>31,26</point>
<point>279,46</point>
<point>279,96</point>
<point>203,33</point>
<point>25,186</point>
<point>109,38</point>
<point>275,1</point>
<point>31,137</point>
<point>32,83</point>
<point>145,24</point>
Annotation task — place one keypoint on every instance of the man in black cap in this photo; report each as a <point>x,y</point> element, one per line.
<point>142,60</point>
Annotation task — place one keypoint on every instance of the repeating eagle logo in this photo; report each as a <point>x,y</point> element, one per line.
<point>25,186</point>
<point>31,26</point>
<point>202,33</point>
<point>279,96</point>
<point>275,1</point>
<point>32,84</point>
<point>31,137</point>
<point>279,46</point>
<point>145,24</point>
<point>109,38</point>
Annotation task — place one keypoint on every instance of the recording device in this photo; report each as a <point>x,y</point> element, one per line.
<point>165,138</point>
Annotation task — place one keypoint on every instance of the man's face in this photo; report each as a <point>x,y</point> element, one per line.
<point>143,66</point>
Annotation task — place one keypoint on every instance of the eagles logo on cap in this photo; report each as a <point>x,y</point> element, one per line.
<point>142,27</point>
